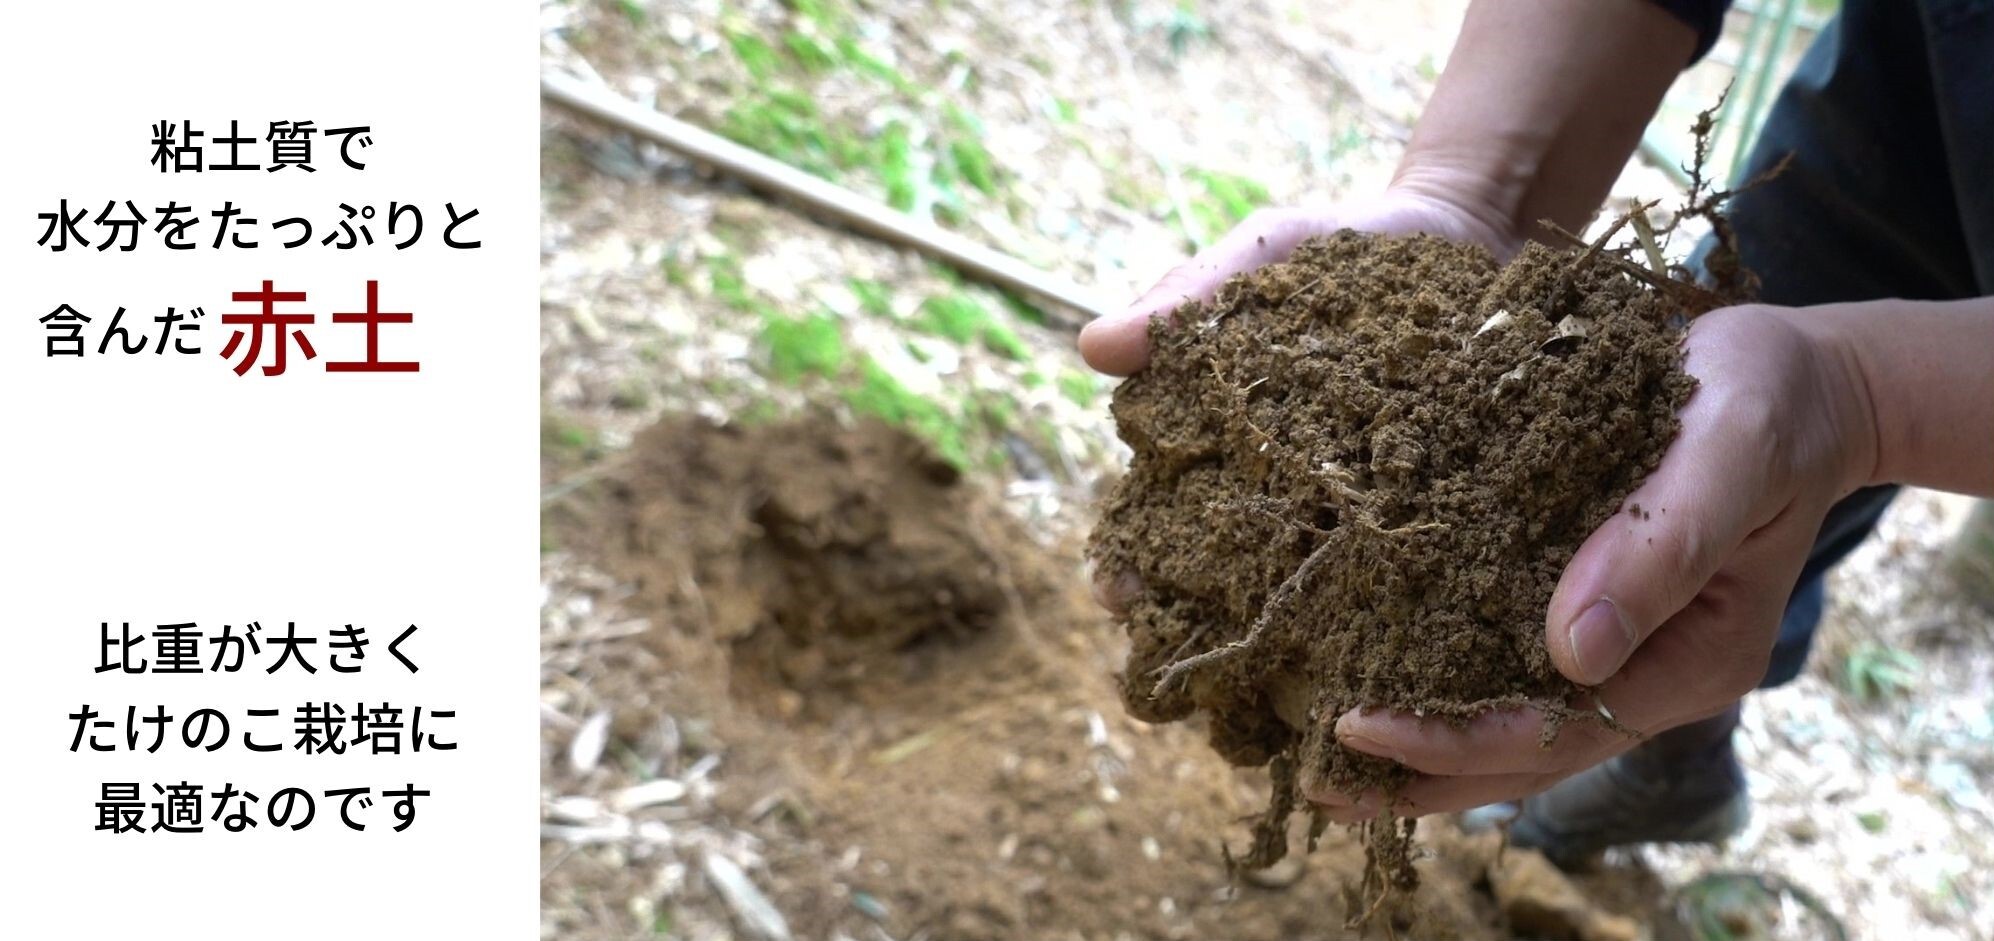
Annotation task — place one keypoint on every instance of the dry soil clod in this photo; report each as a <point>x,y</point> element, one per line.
<point>1381,521</point>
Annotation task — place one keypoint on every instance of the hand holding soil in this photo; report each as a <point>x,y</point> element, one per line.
<point>1667,610</point>
<point>1119,345</point>
<point>1358,475</point>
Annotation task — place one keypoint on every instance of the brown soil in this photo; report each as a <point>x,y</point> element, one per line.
<point>917,708</point>
<point>829,548</point>
<point>1357,477</point>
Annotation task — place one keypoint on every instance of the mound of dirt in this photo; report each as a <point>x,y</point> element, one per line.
<point>1357,477</point>
<point>951,762</point>
<point>816,549</point>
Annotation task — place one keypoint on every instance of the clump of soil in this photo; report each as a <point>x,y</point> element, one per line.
<point>823,548</point>
<point>949,762</point>
<point>1357,477</point>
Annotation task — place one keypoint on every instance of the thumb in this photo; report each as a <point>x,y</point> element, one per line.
<point>1118,344</point>
<point>1714,488</point>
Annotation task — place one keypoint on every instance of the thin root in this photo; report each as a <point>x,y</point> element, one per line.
<point>1275,602</point>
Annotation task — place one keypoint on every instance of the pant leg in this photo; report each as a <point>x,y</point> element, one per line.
<point>1868,208</point>
<point>1848,524</point>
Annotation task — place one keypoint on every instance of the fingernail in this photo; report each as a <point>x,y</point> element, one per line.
<point>1601,641</point>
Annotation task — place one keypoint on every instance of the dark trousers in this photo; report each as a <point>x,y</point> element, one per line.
<point>1890,193</point>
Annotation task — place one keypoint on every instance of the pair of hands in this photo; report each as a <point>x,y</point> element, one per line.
<point>1671,616</point>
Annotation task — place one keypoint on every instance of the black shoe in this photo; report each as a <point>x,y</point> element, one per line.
<point>1682,786</point>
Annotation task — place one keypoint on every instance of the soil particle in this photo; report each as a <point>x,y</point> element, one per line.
<point>1356,478</point>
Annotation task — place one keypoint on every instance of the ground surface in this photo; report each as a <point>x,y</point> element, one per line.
<point>1099,140</point>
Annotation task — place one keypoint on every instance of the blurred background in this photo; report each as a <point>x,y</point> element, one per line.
<point>1098,141</point>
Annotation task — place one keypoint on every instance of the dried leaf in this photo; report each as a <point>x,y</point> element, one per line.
<point>585,752</point>
<point>757,914</point>
<point>647,794</point>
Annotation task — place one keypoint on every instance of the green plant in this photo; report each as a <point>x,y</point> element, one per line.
<point>966,157</point>
<point>755,53</point>
<point>855,56</point>
<point>809,52</point>
<point>731,288</point>
<point>1184,26</point>
<point>816,11</point>
<point>1222,200</point>
<point>961,318</point>
<point>1078,387</point>
<point>896,166</point>
<point>875,297</point>
<point>880,395</point>
<point>1022,309</point>
<point>813,344</point>
<point>1874,671</point>
<point>785,125</point>
<point>1003,341</point>
<point>675,272</point>
<point>561,438</point>
<point>774,117</point>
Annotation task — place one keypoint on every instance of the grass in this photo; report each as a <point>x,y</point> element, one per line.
<point>896,167</point>
<point>1427,68</point>
<point>800,348</point>
<point>927,161</point>
<point>854,56</point>
<point>960,318</point>
<point>1221,201</point>
<point>675,271</point>
<point>875,297</point>
<point>565,442</point>
<point>1874,671</point>
<point>785,124</point>
<point>809,53</point>
<point>1184,27</point>
<point>805,346</point>
<point>730,287</point>
<point>1078,387</point>
<point>927,157</point>
<point>756,55</point>
<point>968,160</point>
<point>880,395</point>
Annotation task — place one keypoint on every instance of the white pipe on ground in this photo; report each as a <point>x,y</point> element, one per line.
<point>866,215</point>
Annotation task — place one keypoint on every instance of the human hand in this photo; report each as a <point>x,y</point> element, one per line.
<point>1670,613</point>
<point>1118,344</point>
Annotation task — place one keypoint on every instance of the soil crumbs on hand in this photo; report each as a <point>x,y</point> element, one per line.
<point>1357,477</point>
<point>914,705</point>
